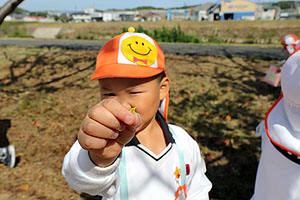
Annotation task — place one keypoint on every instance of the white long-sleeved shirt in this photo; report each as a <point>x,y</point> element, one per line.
<point>278,173</point>
<point>149,176</point>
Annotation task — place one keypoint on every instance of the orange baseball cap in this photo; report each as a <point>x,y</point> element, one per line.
<point>130,55</point>
<point>290,42</point>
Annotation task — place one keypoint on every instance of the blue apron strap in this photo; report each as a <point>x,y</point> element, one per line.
<point>123,178</point>
<point>123,174</point>
<point>181,158</point>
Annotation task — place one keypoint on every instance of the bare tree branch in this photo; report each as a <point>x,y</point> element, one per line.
<point>8,8</point>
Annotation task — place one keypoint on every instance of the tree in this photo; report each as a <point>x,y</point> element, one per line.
<point>8,8</point>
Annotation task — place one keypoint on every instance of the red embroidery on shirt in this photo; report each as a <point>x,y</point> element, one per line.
<point>188,170</point>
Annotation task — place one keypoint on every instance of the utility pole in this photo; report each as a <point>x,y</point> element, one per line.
<point>8,8</point>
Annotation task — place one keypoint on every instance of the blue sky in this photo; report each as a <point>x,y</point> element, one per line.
<point>78,5</point>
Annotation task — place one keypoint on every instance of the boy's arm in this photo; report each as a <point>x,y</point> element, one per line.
<point>199,185</point>
<point>84,176</point>
<point>91,164</point>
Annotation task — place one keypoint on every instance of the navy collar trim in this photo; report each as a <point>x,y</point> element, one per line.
<point>163,124</point>
<point>287,154</point>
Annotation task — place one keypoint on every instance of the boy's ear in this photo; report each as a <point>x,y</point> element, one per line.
<point>164,87</point>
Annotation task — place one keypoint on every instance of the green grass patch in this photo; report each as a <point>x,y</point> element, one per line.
<point>175,34</point>
<point>19,34</point>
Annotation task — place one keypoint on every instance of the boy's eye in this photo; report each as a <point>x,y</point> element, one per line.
<point>109,94</point>
<point>135,92</point>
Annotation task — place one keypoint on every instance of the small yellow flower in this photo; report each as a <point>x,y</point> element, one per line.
<point>132,110</point>
<point>177,172</point>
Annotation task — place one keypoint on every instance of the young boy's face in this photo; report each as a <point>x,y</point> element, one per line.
<point>144,94</point>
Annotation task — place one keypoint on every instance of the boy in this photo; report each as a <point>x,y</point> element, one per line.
<point>125,148</point>
<point>278,173</point>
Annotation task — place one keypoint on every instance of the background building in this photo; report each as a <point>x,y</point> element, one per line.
<point>200,13</point>
<point>214,12</point>
<point>179,14</point>
<point>237,10</point>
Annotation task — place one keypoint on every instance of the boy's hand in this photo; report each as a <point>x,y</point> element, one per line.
<point>107,127</point>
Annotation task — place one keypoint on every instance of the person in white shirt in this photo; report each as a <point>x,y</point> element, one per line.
<point>278,173</point>
<point>125,148</point>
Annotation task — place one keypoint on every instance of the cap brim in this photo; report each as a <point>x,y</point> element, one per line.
<point>125,71</point>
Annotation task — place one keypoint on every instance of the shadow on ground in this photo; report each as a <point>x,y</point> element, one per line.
<point>220,102</point>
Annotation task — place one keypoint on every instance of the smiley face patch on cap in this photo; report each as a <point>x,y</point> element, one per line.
<point>136,48</point>
<point>139,50</point>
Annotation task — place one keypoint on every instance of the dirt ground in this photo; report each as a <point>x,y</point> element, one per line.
<point>46,92</point>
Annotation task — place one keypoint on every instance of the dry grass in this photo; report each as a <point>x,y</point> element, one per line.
<point>233,32</point>
<point>46,93</point>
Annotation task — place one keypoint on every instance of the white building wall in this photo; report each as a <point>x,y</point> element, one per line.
<point>202,15</point>
<point>268,15</point>
<point>82,18</point>
<point>8,18</point>
<point>109,16</point>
